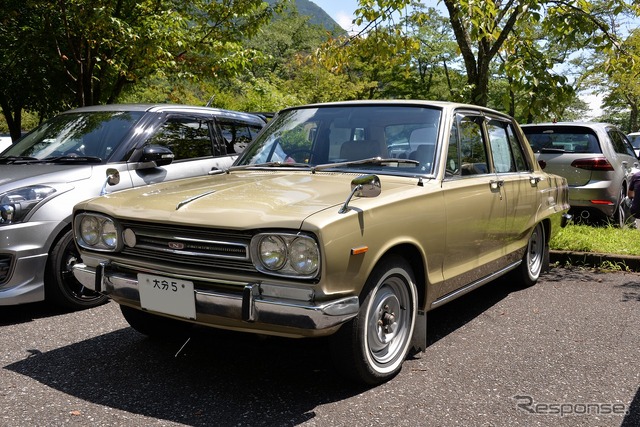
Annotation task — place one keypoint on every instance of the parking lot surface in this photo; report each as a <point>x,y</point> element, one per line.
<point>565,352</point>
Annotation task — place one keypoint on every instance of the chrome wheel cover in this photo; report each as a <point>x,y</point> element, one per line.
<point>389,322</point>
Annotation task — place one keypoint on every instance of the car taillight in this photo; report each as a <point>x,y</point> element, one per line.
<point>593,164</point>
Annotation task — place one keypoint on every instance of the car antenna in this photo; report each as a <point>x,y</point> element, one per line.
<point>210,101</point>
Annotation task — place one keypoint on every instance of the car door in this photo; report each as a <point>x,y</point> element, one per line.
<point>196,144</point>
<point>515,177</point>
<point>473,202</point>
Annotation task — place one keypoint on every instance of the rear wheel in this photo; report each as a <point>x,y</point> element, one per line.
<point>372,347</point>
<point>620,215</point>
<point>534,259</point>
<point>154,326</point>
<point>61,286</point>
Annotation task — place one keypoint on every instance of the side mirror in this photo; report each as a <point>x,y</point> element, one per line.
<point>362,186</point>
<point>155,156</point>
<point>113,178</point>
<point>542,164</point>
<point>366,186</point>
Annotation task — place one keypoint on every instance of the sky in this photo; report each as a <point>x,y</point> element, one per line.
<point>340,10</point>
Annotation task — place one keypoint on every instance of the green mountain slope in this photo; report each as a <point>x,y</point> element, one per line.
<point>316,14</point>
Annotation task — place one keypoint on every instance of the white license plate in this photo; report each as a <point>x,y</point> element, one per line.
<point>167,295</point>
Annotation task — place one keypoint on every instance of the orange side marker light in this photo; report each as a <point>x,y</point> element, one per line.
<point>360,250</point>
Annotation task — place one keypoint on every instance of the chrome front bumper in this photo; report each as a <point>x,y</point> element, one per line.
<point>254,306</point>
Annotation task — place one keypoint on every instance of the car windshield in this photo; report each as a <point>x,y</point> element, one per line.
<point>73,137</point>
<point>635,140</point>
<point>564,139</point>
<point>395,139</point>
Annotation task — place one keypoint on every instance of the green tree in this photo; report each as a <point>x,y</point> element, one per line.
<point>622,71</point>
<point>29,76</point>
<point>94,49</point>
<point>482,28</point>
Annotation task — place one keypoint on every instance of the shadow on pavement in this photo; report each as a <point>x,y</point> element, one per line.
<point>23,313</point>
<point>224,377</point>
<point>632,419</point>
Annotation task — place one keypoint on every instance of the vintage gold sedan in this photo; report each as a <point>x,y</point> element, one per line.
<point>349,220</point>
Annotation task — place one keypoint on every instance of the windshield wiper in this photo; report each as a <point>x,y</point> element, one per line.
<point>72,159</point>
<point>370,161</point>
<point>17,159</point>
<point>270,165</point>
<point>552,150</point>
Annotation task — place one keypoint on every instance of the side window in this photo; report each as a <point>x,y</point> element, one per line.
<point>237,135</point>
<point>187,138</point>
<point>505,148</point>
<point>473,154</point>
<point>620,143</point>
<point>452,167</point>
<point>517,150</point>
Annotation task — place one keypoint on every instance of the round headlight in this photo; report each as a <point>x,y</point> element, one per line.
<point>90,230</point>
<point>109,234</point>
<point>303,254</point>
<point>273,252</point>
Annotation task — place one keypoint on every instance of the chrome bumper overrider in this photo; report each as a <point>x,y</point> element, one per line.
<point>251,306</point>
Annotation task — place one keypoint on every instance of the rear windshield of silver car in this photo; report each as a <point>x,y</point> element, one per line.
<point>564,139</point>
<point>401,137</point>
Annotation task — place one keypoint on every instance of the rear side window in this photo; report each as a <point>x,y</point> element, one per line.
<point>505,148</point>
<point>620,144</point>
<point>563,139</point>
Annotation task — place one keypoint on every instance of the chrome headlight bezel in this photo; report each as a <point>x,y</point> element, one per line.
<point>97,232</point>
<point>293,255</point>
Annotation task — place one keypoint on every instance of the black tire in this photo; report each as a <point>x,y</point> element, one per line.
<point>371,347</point>
<point>155,326</point>
<point>535,259</point>
<point>61,286</point>
<point>620,216</point>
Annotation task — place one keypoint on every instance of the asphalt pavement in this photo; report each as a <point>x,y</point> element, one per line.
<point>561,353</point>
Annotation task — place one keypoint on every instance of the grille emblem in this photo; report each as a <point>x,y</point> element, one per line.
<point>176,245</point>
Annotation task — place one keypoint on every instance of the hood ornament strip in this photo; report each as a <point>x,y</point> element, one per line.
<point>191,199</point>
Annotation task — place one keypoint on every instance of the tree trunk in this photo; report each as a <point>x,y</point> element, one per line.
<point>13,117</point>
<point>633,118</point>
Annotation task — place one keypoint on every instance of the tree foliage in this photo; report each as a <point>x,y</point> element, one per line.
<point>497,31</point>
<point>518,56</point>
<point>90,51</point>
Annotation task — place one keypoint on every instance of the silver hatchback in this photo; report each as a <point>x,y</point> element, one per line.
<point>88,152</point>
<point>595,158</point>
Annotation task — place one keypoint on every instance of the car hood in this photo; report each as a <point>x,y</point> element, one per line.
<point>13,176</point>
<point>239,200</point>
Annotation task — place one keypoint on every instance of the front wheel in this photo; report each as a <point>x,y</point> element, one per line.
<point>372,346</point>
<point>61,286</point>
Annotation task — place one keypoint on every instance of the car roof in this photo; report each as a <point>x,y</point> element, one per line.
<point>164,108</point>
<point>389,102</point>
<point>590,125</point>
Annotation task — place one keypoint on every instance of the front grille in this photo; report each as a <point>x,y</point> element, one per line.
<point>188,245</point>
<point>5,267</point>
